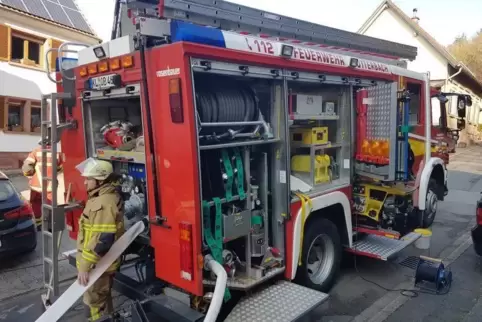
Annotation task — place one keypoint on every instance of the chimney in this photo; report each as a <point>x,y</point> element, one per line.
<point>415,18</point>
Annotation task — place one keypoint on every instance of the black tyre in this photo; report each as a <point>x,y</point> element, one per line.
<point>431,203</point>
<point>321,255</point>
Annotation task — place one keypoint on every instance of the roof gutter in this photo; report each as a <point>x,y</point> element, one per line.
<point>457,73</point>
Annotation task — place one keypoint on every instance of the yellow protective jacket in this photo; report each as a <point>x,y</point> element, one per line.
<point>101,224</point>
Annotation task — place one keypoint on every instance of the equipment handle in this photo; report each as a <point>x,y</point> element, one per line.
<point>60,51</point>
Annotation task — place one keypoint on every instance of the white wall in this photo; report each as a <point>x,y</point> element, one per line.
<point>23,82</point>
<point>390,27</point>
<point>30,83</point>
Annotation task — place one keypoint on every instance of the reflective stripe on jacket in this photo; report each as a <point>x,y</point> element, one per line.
<point>32,167</point>
<point>101,224</point>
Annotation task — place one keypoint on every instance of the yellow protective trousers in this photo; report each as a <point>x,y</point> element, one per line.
<point>98,298</point>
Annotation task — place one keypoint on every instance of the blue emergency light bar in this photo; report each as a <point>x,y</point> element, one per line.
<point>183,31</point>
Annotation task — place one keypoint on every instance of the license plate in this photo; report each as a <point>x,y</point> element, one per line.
<point>103,82</point>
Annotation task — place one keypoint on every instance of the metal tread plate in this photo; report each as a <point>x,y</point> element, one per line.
<point>281,302</point>
<point>382,247</point>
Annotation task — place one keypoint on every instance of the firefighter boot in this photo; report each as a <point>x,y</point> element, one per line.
<point>98,298</point>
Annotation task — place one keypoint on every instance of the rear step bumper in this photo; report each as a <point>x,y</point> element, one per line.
<point>281,302</point>
<point>380,247</point>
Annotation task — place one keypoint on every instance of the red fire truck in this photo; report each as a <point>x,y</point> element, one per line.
<point>264,147</point>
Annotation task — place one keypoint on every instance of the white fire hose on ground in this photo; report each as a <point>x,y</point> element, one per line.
<point>218,296</point>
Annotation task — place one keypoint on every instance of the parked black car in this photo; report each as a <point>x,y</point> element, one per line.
<point>477,230</point>
<point>18,232</point>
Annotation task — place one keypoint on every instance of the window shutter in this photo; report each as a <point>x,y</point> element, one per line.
<point>53,43</point>
<point>5,38</point>
<point>3,111</point>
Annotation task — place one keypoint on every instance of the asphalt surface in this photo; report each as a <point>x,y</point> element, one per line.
<point>367,291</point>
<point>371,292</point>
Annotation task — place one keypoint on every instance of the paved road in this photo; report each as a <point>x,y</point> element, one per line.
<point>356,297</point>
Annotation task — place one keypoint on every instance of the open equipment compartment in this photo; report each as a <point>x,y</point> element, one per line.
<point>114,132</point>
<point>242,151</point>
<point>320,131</point>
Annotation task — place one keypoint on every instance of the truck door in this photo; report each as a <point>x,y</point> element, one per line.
<point>416,123</point>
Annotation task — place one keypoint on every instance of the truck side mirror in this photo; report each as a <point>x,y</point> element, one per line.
<point>461,124</point>
<point>462,102</point>
<point>442,98</point>
<point>455,135</point>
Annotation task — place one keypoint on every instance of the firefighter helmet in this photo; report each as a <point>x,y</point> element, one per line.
<point>95,169</point>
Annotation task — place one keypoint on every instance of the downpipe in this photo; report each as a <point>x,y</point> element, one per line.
<point>218,296</point>
<point>449,78</point>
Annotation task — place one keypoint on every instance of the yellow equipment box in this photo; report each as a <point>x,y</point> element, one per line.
<point>302,163</point>
<point>315,135</point>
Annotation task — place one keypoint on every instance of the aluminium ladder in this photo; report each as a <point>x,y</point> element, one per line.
<point>234,17</point>
<point>53,214</point>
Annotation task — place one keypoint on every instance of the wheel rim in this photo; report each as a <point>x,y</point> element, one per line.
<point>431,204</point>
<point>321,256</point>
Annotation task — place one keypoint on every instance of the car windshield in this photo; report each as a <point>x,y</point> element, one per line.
<point>6,190</point>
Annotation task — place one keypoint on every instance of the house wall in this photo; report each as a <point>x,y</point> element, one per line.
<point>23,82</point>
<point>389,26</point>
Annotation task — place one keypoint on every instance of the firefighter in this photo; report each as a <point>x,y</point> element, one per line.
<point>101,224</point>
<point>32,169</point>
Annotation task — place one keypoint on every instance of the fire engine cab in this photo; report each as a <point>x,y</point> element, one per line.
<point>256,148</point>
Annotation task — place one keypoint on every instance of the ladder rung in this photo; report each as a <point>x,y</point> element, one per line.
<point>48,260</point>
<point>46,122</point>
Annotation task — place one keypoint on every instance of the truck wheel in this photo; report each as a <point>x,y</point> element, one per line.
<point>321,255</point>
<point>431,202</point>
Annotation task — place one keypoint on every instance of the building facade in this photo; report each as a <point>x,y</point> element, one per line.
<point>26,35</point>
<point>389,22</point>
